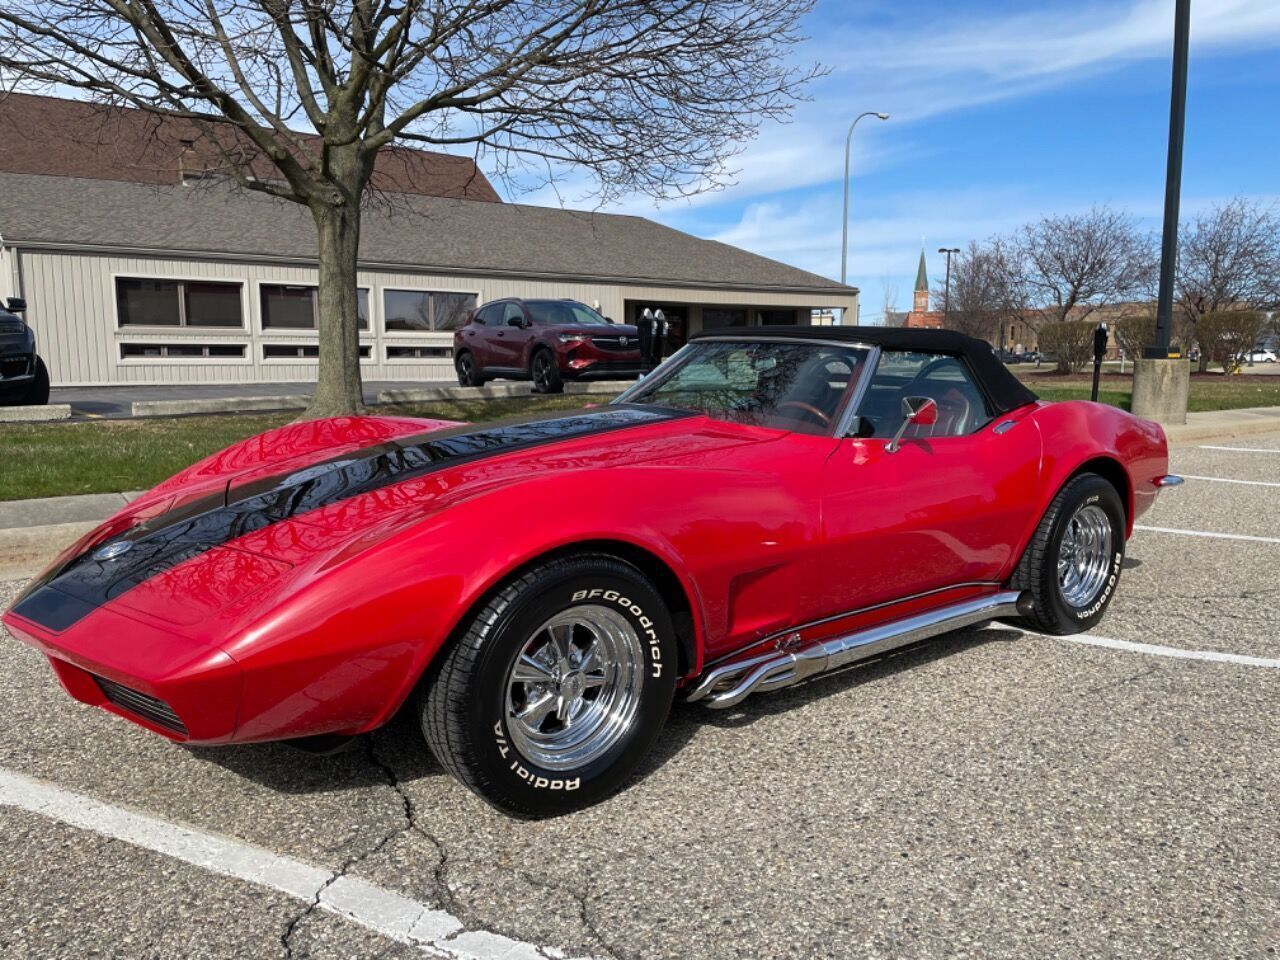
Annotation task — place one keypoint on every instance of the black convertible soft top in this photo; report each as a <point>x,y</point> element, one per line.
<point>1005,391</point>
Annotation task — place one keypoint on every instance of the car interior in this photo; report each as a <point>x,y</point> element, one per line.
<point>945,379</point>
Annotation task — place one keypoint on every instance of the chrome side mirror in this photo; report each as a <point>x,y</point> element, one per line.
<point>921,411</point>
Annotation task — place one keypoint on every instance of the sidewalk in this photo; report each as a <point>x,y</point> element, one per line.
<point>32,532</point>
<point>1225,424</point>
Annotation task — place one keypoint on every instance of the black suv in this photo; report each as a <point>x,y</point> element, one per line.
<point>23,376</point>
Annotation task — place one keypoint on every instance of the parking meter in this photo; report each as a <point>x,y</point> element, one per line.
<point>658,348</point>
<point>1099,351</point>
<point>644,326</point>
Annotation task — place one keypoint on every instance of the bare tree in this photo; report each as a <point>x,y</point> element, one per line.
<point>889,302</point>
<point>1229,259</point>
<point>1063,268</point>
<point>979,296</point>
<point>646,95</point>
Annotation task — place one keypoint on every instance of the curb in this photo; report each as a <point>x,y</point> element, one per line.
<point>32,414</point>
<point>52,511</point>
<point>495,391</point>
<point>427,394</point>
<point>178,408</point>
<point>1224,425</point>
<point>26,551</point>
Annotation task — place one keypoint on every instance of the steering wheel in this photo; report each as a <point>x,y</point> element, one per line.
<point>821,417</point>
<point>927,370</point>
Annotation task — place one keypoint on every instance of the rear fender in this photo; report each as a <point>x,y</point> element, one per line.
<point>1078,436</point>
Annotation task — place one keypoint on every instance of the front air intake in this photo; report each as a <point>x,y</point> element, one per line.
<point>149,708</point>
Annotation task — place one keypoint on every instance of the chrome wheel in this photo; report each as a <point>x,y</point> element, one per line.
<point>464,368</point>
<point>574,688</point>
<point>1084,556</point>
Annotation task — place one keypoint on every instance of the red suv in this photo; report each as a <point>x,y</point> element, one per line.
<point>546,341</point>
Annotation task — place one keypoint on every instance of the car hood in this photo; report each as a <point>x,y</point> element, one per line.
<point>298,497</point>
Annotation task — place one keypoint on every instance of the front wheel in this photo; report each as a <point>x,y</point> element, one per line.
<point>545,373</point>
<point>1072,565</point>
<point>558,688</point>
<point>38,392</point>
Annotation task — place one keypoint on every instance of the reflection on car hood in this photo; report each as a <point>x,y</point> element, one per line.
<point>101,572</point>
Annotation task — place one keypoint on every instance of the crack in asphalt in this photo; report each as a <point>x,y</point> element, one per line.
<point>442,892</point>
<point>583,902</point>
<point>410,817</point>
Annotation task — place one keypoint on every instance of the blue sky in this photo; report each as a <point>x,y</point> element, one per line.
<point>1001,111</point>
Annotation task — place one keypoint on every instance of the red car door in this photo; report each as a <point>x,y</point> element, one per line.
<point>478,335</point>
<point>949,507</point>
<point>511,337</point>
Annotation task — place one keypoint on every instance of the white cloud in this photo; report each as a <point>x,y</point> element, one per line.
<point>916,71</point>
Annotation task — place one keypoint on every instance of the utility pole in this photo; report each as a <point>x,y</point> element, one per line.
<point>844,233</point>
<point>946,306</point>
<point>1161,382</point>
<point>1173,182</point>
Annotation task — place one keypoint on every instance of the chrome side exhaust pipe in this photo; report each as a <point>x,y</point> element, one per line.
<point>729,685</point>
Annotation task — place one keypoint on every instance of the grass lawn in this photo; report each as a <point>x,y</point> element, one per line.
<point>107,456</point>
<point>1208,391</point>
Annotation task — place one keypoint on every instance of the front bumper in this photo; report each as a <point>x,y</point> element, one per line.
<point>169,684</point>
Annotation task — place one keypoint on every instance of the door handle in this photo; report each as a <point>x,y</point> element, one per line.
<point>1004,426</point>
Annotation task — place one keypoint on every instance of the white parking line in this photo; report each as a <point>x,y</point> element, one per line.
<point>1205,533</point>
<point>1248,483</point>
<point>1175,652</point>
<point>436,932</point>
<point>1206,446</point>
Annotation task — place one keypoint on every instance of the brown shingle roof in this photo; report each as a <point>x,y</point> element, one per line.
<point>71,138</point>
<point>449,235</point>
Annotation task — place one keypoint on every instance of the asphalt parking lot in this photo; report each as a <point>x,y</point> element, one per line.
<point>990,794</point>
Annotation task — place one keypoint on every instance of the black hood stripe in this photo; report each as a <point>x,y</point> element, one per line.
<point>70,592</point>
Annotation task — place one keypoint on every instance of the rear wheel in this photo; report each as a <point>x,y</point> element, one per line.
<point>468,375</point>
<point>545,373</point>
<point>1072,565</point>
<point>558,688</point>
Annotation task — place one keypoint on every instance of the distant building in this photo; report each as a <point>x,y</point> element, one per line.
<point>141,262</point>
<point>920,315</point>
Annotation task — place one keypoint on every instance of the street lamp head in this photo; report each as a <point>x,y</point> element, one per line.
<point>882,116</point>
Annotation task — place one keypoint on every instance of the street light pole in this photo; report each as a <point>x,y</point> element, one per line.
<point>946,306</point>
<point>844,234</point>
<point>1173,182</point>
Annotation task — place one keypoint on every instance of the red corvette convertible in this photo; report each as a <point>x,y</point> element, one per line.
<point>766,506</point>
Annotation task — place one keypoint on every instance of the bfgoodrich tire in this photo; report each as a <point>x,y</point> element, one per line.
<point>557,689</point>
<point>1072,565</point>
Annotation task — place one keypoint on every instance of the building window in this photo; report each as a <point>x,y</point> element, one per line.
<point>418,353</point>
<point>713,317</point>
<point>129,351</point>
<point>288,306</point>
<point>419,310</point>
<point>177,303</point>
<point>775,318</point>
<point>299,351</point>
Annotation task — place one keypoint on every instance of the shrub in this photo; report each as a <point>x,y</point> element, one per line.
<point>1226,336</point>
<point>1070,341</point>
<point>1135,333</point>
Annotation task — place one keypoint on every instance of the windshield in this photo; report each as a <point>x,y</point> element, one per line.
<point>562,313</point>
<point>790,386</point>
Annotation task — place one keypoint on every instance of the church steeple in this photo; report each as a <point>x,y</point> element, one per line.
<point>922,286</point>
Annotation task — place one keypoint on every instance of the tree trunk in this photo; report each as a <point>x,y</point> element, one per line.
<point>338,386</point>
